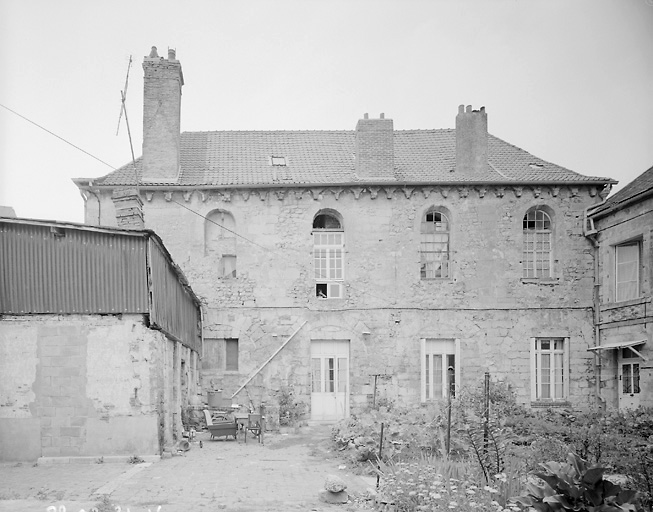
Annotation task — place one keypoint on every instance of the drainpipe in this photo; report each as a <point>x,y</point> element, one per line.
<point>99,204</point>
<point>591,235</point>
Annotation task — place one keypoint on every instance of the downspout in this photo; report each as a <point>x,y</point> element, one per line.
<point>268,360</point>
<point>591,235</point>
<point>99,204</point>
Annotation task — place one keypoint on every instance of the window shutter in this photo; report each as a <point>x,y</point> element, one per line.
<point>422,359</point>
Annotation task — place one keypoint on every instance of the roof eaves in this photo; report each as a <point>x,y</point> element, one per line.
<point>507,181</point>
<point>615,206</point>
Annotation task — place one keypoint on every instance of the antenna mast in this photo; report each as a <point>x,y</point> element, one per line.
<point>123,108</point>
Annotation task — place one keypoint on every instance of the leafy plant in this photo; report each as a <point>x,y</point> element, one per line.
<point>291,410</point>
<point>573,486</point>
<point>488,442</point>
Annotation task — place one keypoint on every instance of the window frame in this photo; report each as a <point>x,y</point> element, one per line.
<point>448,347</point>
<point>531,256</point>
<point>638,265</point>
<point>224,245</point>
<point>424,260</point>
<point>228,365</point>
<point>329,265</point>
<point>536,367</point>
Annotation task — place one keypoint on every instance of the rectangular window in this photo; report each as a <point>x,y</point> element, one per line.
<point>438,369</point>
<point>328,255</point>
<point>231,355</point>
<point>550,369</point>
<point>537,254</point>
<point>434,255</point>
<point>627,271</point>
<point>228,265</point>
<point>630,378</point>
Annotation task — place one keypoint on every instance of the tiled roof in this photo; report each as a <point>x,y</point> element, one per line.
<point>640,186</point>
<point>242,158</point>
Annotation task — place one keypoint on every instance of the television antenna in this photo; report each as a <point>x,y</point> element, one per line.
<point>123,109</point>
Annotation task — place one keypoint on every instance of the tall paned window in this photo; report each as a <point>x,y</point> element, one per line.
<point>220,241</point>
<point>550,368</point>
<point>536,258</point>
<point>434,247</point>
<point>328,256</point>
<point>627,271</point>
<point>438,368</point>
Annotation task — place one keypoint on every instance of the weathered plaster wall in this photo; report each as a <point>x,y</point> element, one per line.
<point>486,303</point>
<point>83,385</point>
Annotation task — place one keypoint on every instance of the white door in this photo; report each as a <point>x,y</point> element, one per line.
<point>329,380</point>
<point>629,365</point>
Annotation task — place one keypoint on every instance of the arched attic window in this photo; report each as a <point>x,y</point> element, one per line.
<point>434,248</point>
<point>220,241</point>
<point>537,257</point>
<point>328,255</point>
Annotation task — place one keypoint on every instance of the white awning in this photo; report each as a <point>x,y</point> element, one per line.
<point>622,344</point>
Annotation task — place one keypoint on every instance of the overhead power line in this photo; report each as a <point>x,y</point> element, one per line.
<point>268,249</point>
<point>57,136</point>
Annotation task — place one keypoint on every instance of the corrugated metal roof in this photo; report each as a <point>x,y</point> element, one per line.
<point>173,308</point>
<point>51,269</point>
<point>242,158</point>
<point>66,268</point>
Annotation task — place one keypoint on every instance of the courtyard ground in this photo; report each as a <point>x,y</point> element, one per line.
<point>283,474</point>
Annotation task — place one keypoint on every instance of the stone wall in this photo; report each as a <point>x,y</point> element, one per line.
<point>85,385</point>
<point>486,304</point>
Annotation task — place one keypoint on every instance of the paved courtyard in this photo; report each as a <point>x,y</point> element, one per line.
<point>283,474</point>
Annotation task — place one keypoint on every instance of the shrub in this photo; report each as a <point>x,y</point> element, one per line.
<point>290,409</point>
<point>573,486</point>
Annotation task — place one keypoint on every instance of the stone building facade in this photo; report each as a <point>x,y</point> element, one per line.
<point>622,230</point>
<point>369,265</point>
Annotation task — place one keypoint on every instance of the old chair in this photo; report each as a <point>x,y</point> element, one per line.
<point>220,428</point>
<point>255,425</point>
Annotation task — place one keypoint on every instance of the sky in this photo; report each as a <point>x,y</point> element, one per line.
<point>569,81</point>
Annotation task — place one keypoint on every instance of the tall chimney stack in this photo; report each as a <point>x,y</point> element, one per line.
<point>471,141</point>
<point>161,117</point>
<point>375,154</point>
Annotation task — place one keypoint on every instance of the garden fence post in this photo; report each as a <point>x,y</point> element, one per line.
<point>486,411</point>
<point>378,464</point>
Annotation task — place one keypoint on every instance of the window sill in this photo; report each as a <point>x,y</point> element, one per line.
<point>625,303</point>
<point>549,281</point>
<point>550,403</point>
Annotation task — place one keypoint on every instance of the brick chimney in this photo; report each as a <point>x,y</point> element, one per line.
<point>129,208</point>
<point>471,141</point>
<point>161,117</point>
<point>375,153</point>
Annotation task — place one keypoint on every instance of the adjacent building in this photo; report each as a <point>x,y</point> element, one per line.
<point>100,337</point>
<point>622,230</point>
<point>370,265</point>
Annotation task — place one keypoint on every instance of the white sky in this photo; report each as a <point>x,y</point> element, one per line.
<point>569,81</point>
